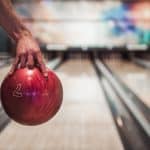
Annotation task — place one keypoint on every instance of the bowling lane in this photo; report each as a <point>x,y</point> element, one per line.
<point>135,77</point>
<point>84,121</point>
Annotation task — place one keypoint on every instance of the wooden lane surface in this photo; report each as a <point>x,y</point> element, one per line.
<point>135,77</point>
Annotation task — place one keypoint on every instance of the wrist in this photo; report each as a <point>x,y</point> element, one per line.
<point>20,34</point>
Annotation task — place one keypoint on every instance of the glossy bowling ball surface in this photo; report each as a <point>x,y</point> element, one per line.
<point>29,98</point>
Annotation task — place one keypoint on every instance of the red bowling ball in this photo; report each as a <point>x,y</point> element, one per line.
<point>29,98</point>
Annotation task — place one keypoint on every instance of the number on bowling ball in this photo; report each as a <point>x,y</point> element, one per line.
<point>17,92</point>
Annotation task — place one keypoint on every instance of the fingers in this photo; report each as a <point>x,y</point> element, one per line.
<point>23,59</point>
<point>30,61</point>
<point>41,64</point>
<point>15,65</point>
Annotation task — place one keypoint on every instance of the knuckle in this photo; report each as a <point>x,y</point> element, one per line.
<point>40,61</point>
<point>38,53</point>
<point>31,52</point>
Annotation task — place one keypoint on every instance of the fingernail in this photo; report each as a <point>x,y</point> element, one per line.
<point>10,73</point>
<point>30,66</point>
<point>45,74</point>
<point>22,66</point>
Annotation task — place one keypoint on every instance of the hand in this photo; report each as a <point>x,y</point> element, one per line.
<point>28,54</point>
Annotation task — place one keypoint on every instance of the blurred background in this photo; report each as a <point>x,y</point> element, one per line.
<point>100,49</point>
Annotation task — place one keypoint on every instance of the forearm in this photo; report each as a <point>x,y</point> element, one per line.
<point>10,22</point>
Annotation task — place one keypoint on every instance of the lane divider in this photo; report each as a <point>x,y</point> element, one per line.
<point>127,100</point>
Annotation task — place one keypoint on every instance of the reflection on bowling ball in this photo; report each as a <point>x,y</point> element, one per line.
<point>29,98</point>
